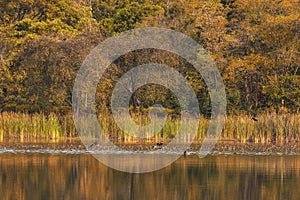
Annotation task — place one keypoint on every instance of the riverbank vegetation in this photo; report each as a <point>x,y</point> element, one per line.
<point>255,45</point>
<point>265,128</point>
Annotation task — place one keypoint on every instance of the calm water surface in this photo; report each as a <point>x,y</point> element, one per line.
<point>80,176</point>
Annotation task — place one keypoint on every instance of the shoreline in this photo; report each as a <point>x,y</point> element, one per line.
<point>221,146</point>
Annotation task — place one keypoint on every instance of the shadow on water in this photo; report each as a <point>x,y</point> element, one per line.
<point>81,176</point>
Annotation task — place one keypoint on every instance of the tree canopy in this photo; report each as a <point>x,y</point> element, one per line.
<point>254,43</point>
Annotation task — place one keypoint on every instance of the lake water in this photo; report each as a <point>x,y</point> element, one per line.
<point>80,176</point>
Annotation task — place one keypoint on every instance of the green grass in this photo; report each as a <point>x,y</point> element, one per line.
<point>270,127</point>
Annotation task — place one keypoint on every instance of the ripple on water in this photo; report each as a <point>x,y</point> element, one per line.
<point>119,152</point>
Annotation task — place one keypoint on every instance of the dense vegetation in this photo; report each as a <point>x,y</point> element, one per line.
<point>270,128</point>
<point>254,43</point>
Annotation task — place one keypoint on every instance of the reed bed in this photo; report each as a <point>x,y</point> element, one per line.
<point>268,128</point>
<point>38,125</point>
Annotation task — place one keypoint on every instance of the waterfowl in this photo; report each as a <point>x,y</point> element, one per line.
<point>94,144</point>
<point>158,145</point>
<point>250,139</point>
<point>254,119</point>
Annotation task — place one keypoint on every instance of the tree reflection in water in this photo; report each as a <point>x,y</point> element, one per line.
<point>65,176</point>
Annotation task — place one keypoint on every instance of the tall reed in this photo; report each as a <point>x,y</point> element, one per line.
<point>21,125</point>
<point>269,127</point>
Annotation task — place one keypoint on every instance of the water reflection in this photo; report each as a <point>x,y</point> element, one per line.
<point>46,176</point>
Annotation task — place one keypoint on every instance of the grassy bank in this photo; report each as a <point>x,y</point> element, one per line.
<point>266,128</point>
